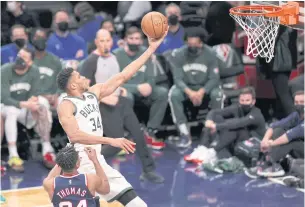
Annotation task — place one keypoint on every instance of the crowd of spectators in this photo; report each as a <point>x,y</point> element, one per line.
<point>201,67</point>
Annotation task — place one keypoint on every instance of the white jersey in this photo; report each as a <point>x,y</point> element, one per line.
<point>89,120</point>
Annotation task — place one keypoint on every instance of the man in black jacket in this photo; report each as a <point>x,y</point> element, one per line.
<point>229,125</point>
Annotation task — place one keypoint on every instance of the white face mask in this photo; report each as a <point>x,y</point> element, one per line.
<point>11,6</point>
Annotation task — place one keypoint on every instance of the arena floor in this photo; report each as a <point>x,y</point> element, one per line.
<point>183,187</point>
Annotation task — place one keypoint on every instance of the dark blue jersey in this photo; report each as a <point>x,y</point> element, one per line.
<point>72,192</point>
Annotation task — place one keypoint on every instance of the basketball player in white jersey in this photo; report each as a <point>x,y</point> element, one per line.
<point>80,117</point>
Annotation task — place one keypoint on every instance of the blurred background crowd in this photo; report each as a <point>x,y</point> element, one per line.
<point>51,36</point>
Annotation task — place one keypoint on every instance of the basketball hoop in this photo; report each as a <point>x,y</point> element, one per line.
<point>261,23</point>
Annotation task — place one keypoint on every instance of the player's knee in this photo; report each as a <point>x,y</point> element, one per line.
<point>136,202</point>
<point>175,94</point>
<point>162,92</point>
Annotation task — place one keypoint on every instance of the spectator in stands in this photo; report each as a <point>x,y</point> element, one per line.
<point>116,110</point>
<point>64,44</point>
<point>175,35</point>
<point>20,39</point>
<point>196,78</point>
<point>232,124</point>
<point>16,14</point>
<point>89,23</point>
<point>49,66</point>
<point>108,25</point>
<point>283,137</point>
<point>20,101</point>
<point>142,86</point>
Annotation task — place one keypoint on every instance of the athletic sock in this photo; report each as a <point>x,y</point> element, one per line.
<point>13,150</point>
<point>183,129</point>
<point>47,147</point>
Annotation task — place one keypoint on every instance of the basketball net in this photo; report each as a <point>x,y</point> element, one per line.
<point>261,32</point>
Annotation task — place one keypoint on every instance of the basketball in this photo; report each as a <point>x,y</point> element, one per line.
<point>154,25</point>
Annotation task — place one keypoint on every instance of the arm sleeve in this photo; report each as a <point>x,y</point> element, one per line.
<point>213,76</point>
<point>236,123</point>
<point>225,112</point>
<point>285,123</point>
<point>296,132</point>
<point>6,98</point>
<point>88,69</point>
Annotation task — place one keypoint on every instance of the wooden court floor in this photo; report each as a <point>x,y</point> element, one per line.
<point>35,197</point>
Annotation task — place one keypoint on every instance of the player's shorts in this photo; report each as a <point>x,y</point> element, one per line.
<point>118,184</point>
<point>24,116</point>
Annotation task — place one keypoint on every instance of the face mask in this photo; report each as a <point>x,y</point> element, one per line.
<point>40,44</point>
<point>63,26</point>
<point>173,19</point>
<point>246,108</point>
<point>193,51</point>
<point>20,64</point>
<point>299,109</point>
<point>11,6</point>
<point>20,42</point>
<point>133,47</point>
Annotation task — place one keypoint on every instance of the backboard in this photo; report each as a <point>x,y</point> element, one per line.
<point>299,26</point>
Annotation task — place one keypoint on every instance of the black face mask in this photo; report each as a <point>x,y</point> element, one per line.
<point>20,42</point>
<point>20,64</point>
<point>63,26</point>
<point>300,109</point>
<point>193,51</point>
<point>133,47</point>
<point>40,44</point>
<point>246,108</point>
<point>173,20</point>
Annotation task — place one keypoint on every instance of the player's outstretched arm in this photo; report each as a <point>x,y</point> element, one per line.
<point>49,180</point>
<point>107,88</point>
<point>66,117</point>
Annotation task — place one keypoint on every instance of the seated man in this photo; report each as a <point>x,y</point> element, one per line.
<point>49,66</point>
<point>196,77</point>
<point>142,86</point>
<point>20,101</point>
<point>231,124</point>
<point>63,43</point>
<point>282,138</point>
<point>20,39</point>
<point>116,110</point>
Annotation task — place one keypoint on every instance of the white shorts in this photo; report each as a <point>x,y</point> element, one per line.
<point>118,184</point>
<point>24,116</point>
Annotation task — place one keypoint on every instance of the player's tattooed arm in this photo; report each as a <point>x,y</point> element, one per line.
<point>48,182</point>
<point>105,89</point>
<point>66,117</point>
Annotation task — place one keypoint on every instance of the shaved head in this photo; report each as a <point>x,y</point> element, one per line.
<point>102,33</point>
<point>103,42</point>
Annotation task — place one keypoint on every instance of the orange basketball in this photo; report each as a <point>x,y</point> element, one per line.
<point>154,25</point>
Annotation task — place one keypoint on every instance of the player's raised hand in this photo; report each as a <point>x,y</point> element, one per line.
<point>125,144</point>
<point>91,153</point>
<point>154,43</point>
